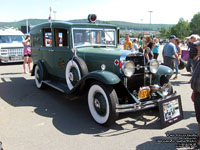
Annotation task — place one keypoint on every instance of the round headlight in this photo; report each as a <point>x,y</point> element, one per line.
<point>153,66</point>
<point>128,68</point>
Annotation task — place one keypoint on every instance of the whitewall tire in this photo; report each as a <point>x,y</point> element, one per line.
<point>72,73</point>
<point>38,78</point>
<point>102,103</point>
<point>76,68</point>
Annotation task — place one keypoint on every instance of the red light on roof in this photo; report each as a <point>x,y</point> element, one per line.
<point>92,18</point>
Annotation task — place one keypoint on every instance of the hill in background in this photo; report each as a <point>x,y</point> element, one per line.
<point>126,26</point>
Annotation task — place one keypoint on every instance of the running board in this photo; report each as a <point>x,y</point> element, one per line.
<point>58,86</point>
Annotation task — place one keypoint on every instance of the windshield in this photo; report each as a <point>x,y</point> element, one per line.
<point>11,38</point>
<point>94,37</point>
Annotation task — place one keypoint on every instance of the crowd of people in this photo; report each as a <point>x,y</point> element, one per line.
<point>149,47</point>
<point>172,58</point>
<point>171,52</point>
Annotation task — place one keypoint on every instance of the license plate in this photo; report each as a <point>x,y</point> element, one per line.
<point>143,93</point>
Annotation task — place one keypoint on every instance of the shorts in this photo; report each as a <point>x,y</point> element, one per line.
<point>197,105</point>
<point>168,61</point>
<point>29,55</point>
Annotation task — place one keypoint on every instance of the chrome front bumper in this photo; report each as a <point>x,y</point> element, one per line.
<point>123,108</point>
<point>11,59</point>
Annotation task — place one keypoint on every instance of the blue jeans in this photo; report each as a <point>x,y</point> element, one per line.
<point>176,65</point>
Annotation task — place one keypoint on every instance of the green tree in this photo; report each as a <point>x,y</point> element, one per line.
<point>181,30</point>
<point>164,32</point>
<point>195,24</point>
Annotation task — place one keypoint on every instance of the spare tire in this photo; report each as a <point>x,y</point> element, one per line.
<point>76,68</point>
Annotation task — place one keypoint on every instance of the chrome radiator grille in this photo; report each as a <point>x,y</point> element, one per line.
<point>12,51</point>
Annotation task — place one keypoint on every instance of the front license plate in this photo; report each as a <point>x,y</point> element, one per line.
<point>144,93</point>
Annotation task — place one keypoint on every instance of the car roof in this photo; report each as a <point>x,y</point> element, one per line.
<point>10,31</point>
<point>71,24</point>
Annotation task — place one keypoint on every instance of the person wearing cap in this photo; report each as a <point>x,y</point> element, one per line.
<point>169,53</point>
<point>128,45</point>
<point>195,85</point>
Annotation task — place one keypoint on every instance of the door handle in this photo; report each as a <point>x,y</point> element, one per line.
<point>51,50</point>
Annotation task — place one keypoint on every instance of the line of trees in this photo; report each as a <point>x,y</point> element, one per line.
<point>183,28</point>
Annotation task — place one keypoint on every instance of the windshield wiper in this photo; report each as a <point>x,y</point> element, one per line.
<point>99,46</point>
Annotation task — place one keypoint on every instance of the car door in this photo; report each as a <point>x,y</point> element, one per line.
<point>62,53</point>
<point>47,50</point>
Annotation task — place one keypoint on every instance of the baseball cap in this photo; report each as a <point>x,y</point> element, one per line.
<point>197,43</point>
<point>172,37</point>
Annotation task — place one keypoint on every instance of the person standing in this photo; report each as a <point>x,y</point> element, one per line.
<point>195,85</point>
<point>27,53</point>
<point>169,53</point>
<point>155,49</point>
<point>128,45</point>
<point>148,49</point>
<point>178,50</point>
<point>141,44</point>
<point>135,45</point>
<point>192,53</point>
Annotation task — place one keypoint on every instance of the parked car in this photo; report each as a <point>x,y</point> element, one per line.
<point>11,47</point>
<point>87,61</point>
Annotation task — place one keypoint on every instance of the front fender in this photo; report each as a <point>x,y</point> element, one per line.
<point>163,71</point>
<point>105,77</point>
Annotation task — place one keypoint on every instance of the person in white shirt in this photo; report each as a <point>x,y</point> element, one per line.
<point>135,45</point>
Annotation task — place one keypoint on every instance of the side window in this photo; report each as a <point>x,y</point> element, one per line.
<point>47,37</point>
<point>60,37</point>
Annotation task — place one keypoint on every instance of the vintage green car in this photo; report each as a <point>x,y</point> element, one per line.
<point>84,59</point>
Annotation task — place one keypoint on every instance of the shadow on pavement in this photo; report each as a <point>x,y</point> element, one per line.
<point>11,63</point>
<point>178,83</point>
<point>72,117</point>
<point>182,138</point>
<point>5,74</point>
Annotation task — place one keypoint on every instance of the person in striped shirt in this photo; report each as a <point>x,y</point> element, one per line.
<point>195,85</point>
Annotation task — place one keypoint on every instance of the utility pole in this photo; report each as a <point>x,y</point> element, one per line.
<point>54,15</point>
<point>150,15</point>
<point>26,26</point>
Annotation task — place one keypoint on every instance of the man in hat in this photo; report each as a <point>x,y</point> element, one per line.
<point>169,53</point>
<point>195,85</point>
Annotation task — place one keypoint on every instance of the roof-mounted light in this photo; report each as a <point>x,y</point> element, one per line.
<point>92,18</point>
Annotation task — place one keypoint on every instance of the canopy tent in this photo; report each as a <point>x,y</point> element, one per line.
<point>195,35</point>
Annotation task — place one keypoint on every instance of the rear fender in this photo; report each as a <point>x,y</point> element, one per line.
<point>42,69</point>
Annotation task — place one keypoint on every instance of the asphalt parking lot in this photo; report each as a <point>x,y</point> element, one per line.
<point>33,119</point>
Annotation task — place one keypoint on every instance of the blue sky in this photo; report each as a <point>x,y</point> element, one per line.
<point>166,12</point>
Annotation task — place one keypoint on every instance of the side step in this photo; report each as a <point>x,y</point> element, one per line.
<point>58,86</point>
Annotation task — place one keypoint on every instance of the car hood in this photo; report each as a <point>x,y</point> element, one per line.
<point>11,45</point>
<point>95,57</point>
<point>106,52</point>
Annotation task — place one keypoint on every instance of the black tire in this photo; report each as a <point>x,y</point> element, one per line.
<point>38,77</point>
<point>76,68</point>
<point>102,102</point>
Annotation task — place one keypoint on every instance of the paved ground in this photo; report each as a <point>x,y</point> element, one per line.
<point>33,119</point>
